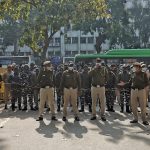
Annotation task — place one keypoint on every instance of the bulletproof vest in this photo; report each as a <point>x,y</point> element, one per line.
<point>46,79</point>
<point>70,79</point>
<point>138,80</point>
<point>99,76</point>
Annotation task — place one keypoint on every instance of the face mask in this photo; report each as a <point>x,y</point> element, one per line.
<point>70,68</point>
<point>49,68</point>
<point>98,64</point>
<point>133,69</point>
<point>144,69</point>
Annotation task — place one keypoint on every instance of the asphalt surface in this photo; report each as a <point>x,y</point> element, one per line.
<point>20,131</point>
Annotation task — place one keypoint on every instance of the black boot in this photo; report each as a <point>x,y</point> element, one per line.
<point>108,108</point>
<point>90,108</point>
<point>25,108</point>
<point>6,106</point>
<point>32,108</point>
<point>19,106</point>
<point>112,109</point>
<point>122,109</point>
<point>13,107</point>
<point>128,109</point>
<point>82,108</point>
<point>58,108</point>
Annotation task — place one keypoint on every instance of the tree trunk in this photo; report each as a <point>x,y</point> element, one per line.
<point>15,47</point>
<point>46,44</point>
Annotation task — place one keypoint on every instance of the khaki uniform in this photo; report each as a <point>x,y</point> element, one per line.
<point>138,94</point>
<point>70,86</point>
<point>46,83</point>
<point>98,78</point>
<point>7,87</point>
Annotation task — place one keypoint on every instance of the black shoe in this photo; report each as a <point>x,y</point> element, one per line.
<point>48,109</point>
<point>54,118</point>
<point>108,109</point>
<point>90,109</point>
<point>128,109</point>
<point>76,118</point>
<point>64,119</point>
<point>31,108</point>
<point>36,108</point>
<point>93,118</point>
<point>145,123</point>
<point>103,118</point>
<point>81,110</point>
<point>58,108</point>
<point>24,109</point>
<point>134,121</point>
<point>6,106</point>
<point>39,119</point>
<point>112,109</point>
<point>122,109</point>
<point>19,107</point>
<point>13,108</point>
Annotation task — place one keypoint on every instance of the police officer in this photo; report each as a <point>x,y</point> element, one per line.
<point>139,81</point>
<point>16,88</point>
<point>110,90</point>
<point>6,76</point>
<point>98,77</point>
<point>46,83</point>
<point>85,89</point>
<point>124,76</point>
<point>70,87</point>
<point>58,77</point>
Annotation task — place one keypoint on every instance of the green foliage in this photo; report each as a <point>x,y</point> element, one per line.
<point>41,19</point>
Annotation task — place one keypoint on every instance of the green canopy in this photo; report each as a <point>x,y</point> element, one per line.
<point>117,53</point>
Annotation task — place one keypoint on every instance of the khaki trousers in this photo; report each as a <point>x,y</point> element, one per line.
<point>7,93</point>
<point>70,94</point>
<point>46,95</point>
<point>138,97</point>
<point>98,92</point>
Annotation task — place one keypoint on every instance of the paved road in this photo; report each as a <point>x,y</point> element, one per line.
<point>20,131</point>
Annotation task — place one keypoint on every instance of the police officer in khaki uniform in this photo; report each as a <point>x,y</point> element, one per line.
<point>46,83</point>
<point>70,87</point>
<point>138,82</point>
<point>98,77</point>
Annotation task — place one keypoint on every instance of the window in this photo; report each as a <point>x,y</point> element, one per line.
<point>57,40</point>
<point>83,52</point>
<point>68,40</point>
<point>74,40</point>
<point>74,53</point>
<point>90,40</point>
<point>83,40</point>
<point>1,41</point>
<point>68,53</point>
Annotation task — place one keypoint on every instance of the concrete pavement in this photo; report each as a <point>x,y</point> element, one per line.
<point>20,131</point>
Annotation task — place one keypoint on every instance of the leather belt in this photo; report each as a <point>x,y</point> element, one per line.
<point>98,86</point>
<point>137,88</point>
<point>70,88</point>
<point>46,87</point>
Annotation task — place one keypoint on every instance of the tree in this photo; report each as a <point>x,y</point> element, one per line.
<point>41,19</point>
<point>10,31</point>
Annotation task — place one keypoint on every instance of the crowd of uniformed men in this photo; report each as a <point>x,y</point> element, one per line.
<point>78,85</point>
